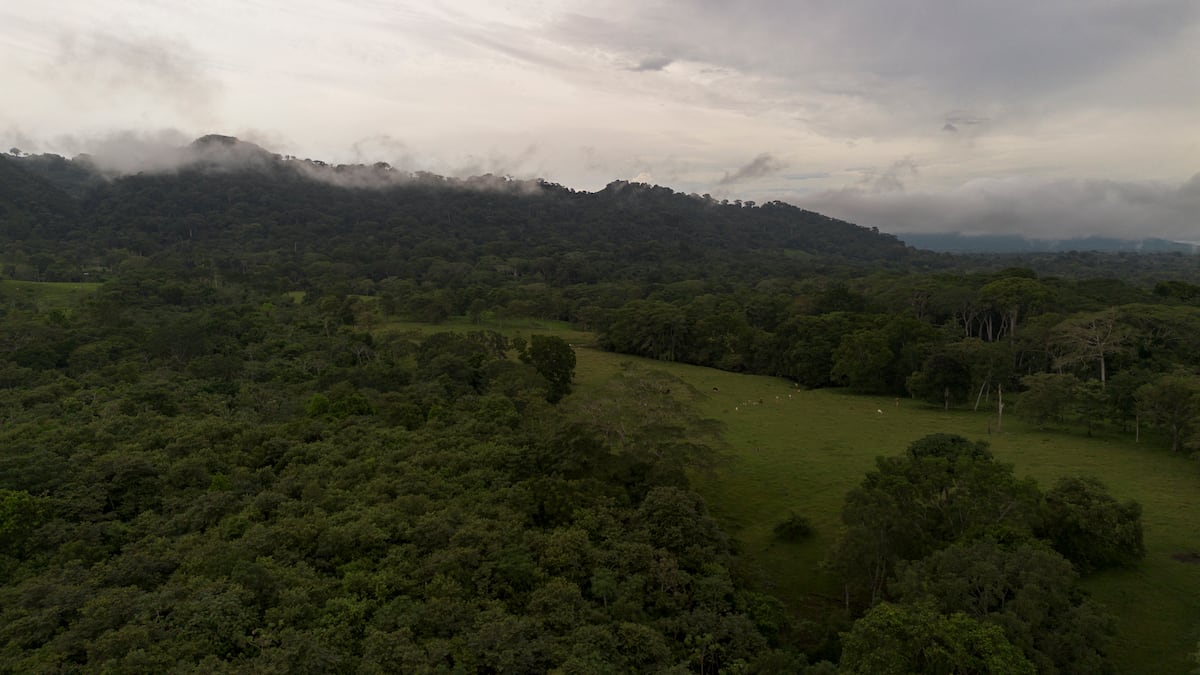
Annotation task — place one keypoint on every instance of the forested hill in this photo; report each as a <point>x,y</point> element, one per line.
<point>228,196</point>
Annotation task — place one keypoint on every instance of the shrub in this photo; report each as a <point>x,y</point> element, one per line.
<point>795,528</point>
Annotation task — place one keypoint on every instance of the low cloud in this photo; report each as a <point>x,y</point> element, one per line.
<point>763,165</point>
<point>379,161</point>
<point>98,67</point>
<point>1039,208</point>
<point>652,64</point>
<point>126,152</point>
<point>890,179</point>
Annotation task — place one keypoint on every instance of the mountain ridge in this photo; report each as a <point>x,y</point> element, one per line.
<point>236,201</point>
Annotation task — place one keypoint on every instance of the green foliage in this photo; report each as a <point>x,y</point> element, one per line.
<point>1014,297</point>
<point>554,360</point>
<point>1090,527</point>
<point>1025,589</point>
<point>1173,402</point>
<point>20,515</point>
<point>861,359</point>
<point>1048,397</point>
<point>942,379</point>
<point>941,490</point>
<point>793,528</point>
<point>947,529</point>
<point>277,518</point>
<point>916,639</point>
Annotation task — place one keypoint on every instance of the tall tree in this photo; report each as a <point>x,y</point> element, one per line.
<point>861,360</point>
<point>1047,396</point>
<point>1090,338</point>
<point>1173,402</point>
<point>554,360</point>
<point>943,488</point>
<point>1013,297</point>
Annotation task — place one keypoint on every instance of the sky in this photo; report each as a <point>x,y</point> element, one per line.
<point>1036,117</point>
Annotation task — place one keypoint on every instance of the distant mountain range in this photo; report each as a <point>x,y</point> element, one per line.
<point>234,204</point>
<point>959,243</point>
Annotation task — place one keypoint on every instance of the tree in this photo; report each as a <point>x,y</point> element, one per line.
<point>861,360</point>
<point>942,489</point>
<point>1089,527</point>
<point>916,639</point>
<point>990,364</point>
<point>808,343</point>
<point>1024,588</point>
<point>650,328</point>
<point>1171,401</point>
<point>942,379</point>
<point>1047,396</point>
<point>554,360</point>
<point>1090,338</point>
<point>1013,297</point>
<point>911,342</point>
<point>1121,396</point>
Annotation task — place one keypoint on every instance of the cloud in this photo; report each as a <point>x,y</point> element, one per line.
<point>1043,208</point>
<point>125,152</point>
<point>890,179</point>
<point>763,165</point>
<point>97,67</point>
<point>912,61</point>
<point>166,150</point>
<point>652,63</point>
<point>384,148</point>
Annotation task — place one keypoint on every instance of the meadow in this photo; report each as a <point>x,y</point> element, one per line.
<point>43,296</point>
<point>795,451</point>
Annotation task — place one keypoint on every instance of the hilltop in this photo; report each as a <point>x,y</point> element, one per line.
<point>227,197</point>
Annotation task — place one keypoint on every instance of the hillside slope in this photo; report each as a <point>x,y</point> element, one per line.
<point>233,198</point>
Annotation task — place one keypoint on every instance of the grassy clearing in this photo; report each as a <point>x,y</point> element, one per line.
<point>44,296</point>
<point>801,451</point>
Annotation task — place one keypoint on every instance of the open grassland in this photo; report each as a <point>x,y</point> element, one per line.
<point>794,451</point>
<point>43,296</point>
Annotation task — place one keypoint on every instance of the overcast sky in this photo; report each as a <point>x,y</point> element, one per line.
<point>1043,117</point>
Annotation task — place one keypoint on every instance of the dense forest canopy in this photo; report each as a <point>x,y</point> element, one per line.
<point>220,461</point>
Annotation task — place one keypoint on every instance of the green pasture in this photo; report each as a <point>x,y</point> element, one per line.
<point>800,451</point>
<point>44,296</point>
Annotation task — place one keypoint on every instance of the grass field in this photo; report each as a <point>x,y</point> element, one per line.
<point>44,296</point>
<point>801,451</point>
